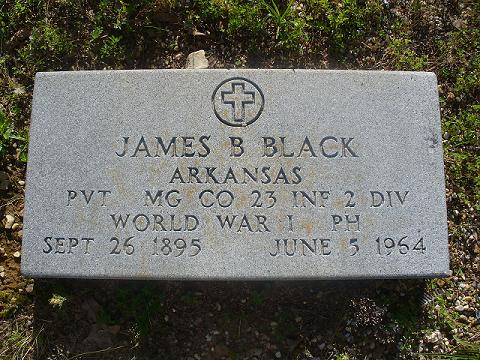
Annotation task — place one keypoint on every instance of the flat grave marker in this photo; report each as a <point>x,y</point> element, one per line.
<point>235,174</point>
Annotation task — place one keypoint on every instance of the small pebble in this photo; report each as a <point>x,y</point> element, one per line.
<point>15,226</point>
<point>16,254</point>
<point>21,182</point>
<point>434,337</point>
<point>197,60</point>
<point>459,308</point>
<point>9,221</point>
<point>278,354</point>
<point>29,288</point>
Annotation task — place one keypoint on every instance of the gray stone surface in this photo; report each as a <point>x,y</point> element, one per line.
<point>332,174</point>
<point>197,60</point>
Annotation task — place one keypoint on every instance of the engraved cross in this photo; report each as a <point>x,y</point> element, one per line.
<point>238,98</point>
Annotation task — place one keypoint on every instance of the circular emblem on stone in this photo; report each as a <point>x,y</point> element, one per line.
<point>237,101</point>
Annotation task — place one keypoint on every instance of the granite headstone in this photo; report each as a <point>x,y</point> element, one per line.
<point>235,174</point>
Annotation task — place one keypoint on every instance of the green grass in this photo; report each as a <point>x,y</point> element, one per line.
<point>464,165</point>
<point>19,344</point>
<point>465,351</point>
<point>10,136</point>
<point>10,302</point>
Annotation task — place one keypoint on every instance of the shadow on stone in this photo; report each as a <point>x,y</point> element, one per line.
<point>112,319</point>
